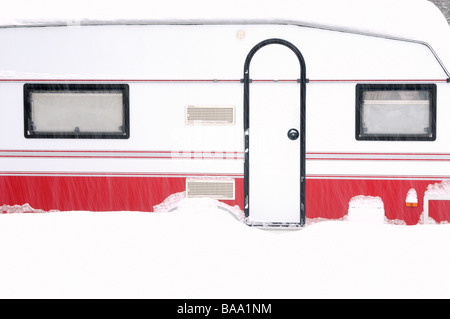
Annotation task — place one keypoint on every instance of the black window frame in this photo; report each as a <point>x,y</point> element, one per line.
<point>30,88</point>
<point>361,88</point>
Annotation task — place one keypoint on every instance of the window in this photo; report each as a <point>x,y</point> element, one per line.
<point>396,112</point>
<point>76,111</point>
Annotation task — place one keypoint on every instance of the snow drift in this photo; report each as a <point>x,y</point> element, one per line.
<point>204,252</point>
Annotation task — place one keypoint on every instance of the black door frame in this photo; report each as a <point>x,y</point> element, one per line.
<point>302,80</point>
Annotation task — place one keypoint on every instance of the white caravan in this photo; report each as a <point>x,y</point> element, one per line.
<point>287,112</point>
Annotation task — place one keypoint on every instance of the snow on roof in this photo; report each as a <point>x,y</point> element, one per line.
<point>401,17</point>
<point>412,19</point>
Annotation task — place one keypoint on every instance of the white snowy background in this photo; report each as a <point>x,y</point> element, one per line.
<point>201,250</point>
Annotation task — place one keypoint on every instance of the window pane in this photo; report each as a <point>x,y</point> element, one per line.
<point>396,112</point>
<point>76,111</point>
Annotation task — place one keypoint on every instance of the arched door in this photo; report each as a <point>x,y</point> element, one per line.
<point>274,132</point>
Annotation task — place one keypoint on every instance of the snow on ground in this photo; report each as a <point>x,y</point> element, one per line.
<point>201,251</point>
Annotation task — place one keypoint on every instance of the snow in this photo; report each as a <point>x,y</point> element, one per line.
<point>441,188</point>
<point>362,201</point>
<point>366,209</point>
<point>178,201</point>
<point>197,248</point>
<point>201,251</point>
<point>385,16</point>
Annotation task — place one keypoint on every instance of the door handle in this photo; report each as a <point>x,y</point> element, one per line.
<point>293,134</point>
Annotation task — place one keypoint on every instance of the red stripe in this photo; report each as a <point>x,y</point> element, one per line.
<point>219,80</point>
<point>380,80</point>
<point>129,157</point>
<point>377,159</point>
<point>116,151</point>
<point>368,158</point>
<point>173,154</point>
<point>336,153</point>
<point>225,155</point>
<point>120,80</point>
<point>124,151</point>
<point>120,174</point>
<point>288,81</point>
<point>371,177</point>
<point>90,151</point>
<point>237,175</point>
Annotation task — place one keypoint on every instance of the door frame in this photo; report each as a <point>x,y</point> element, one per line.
<point>302,80</point>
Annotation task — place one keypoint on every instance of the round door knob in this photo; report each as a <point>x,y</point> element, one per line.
<point>293,134</point>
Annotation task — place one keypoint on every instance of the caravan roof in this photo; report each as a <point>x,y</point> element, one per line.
<point>418,20</point>
<point>408,18</point>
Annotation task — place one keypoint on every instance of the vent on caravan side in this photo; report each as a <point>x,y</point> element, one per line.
<point>213,188</point>
<point>196,114</point>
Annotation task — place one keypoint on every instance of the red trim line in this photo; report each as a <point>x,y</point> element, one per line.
<point>129,157</point>
<point>380,80</point>
<point>86,151</point>
<point>219,80</point>
<point>225,175</point>
<point>415,154</point>
<point>378,159</point>
<point>124,151</point>
<point>378,156</point>
<point>213,155</point>
<point>381,177</point>
<point>112,174</point>
<point>120,80</point>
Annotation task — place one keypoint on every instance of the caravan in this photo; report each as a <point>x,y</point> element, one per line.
<point>288,113</point>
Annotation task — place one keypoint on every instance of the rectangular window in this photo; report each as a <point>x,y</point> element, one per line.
<point>402,112</point>
<point>76,111</point>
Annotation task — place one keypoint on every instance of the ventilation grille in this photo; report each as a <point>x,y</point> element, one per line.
<point>217,189</point>
<point>209,114</point>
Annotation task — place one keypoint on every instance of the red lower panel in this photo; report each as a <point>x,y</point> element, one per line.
<point>326,198</point>
<point>95,193</point>
<point>439,210</point>
<point>329,198</point>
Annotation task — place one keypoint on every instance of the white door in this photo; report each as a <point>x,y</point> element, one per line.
<point>274,135</point>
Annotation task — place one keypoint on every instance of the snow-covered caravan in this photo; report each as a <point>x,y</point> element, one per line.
<point>288,110</point>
